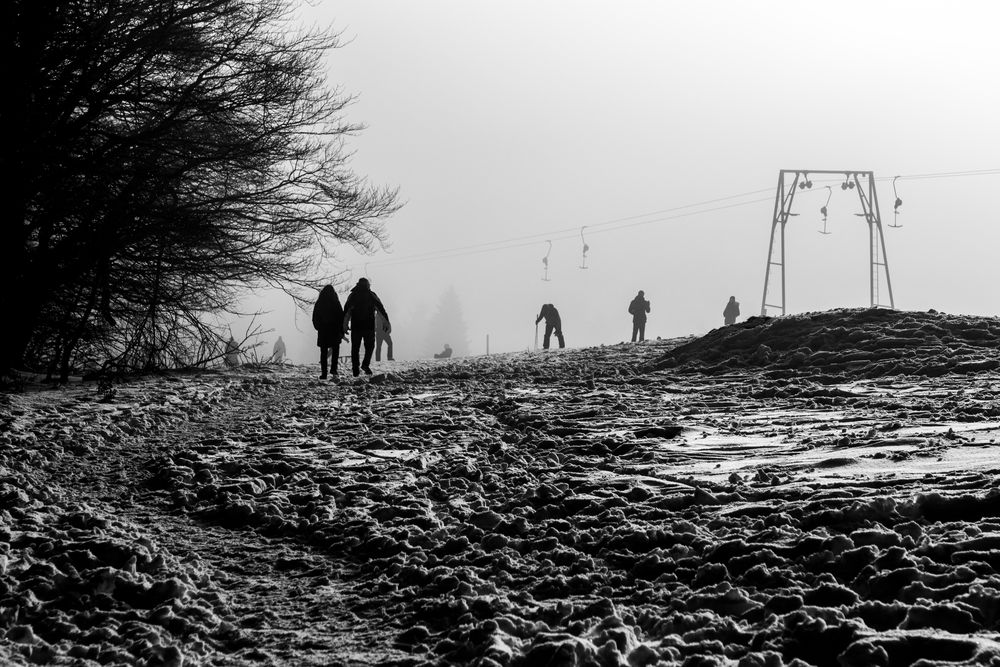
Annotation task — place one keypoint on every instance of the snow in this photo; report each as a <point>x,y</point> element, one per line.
<point>818,490</point>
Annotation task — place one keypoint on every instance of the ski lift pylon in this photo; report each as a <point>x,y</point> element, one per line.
<point>583,263</point>
<point>545,262</point>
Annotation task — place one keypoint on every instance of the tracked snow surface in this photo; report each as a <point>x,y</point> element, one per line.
<point>811,490</point>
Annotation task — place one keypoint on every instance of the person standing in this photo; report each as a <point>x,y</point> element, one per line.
<point>359,314</point>
<point>732,311</point>
<point>328,320</point>
<point>553,323</point>
<point>278,353</point>
<point>638,308</point>
<point>383,332</point>
<point>232,355</point>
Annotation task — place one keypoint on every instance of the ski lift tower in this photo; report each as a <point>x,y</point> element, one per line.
<point>863,182</point>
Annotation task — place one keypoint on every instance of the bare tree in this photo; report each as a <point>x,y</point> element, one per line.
<point>165,156</point>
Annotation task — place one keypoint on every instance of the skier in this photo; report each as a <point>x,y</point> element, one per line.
<point>732,311</point>
<point>382,335</point>
<point>445,353</point>
<point>328,320</point>
<point>638,308</point>
<point>552,323</point>
<point>359,313</point>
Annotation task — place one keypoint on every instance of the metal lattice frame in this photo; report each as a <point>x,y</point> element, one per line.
<point>789,181</point>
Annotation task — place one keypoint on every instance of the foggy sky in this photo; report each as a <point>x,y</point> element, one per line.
<point>505,119</point>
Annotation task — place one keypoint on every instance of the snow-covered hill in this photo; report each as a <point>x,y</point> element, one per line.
<point>820,489</point>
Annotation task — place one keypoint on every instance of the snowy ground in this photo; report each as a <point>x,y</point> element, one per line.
<point>813,490</point>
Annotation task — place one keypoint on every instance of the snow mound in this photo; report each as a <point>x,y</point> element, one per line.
<point>861,342</point>
<point>536,509</point>
<point>502,521</point>
<point>78,585</point>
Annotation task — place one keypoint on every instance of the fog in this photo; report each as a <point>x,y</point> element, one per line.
<point>510,123</point>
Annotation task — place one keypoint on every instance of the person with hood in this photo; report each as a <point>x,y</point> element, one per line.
<point>732,311</point>
<point>328,320</point>
<point>383,333</point>
<point>553,323</point>
<point>638,308</point>
<point>359,316</point>
<point>445,353</point>
<point>278,353</point>
<point>232,355</point>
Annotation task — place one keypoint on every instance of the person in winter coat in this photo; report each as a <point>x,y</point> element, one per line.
<point>732,311</point>
<point>328,320</point>
<point>445,353</point>
<point>638,308</point>
<point>382,335</point>
<point>278,353</point>
<point>553,323</point>
<point>232,355</point>
<point>359,314</point>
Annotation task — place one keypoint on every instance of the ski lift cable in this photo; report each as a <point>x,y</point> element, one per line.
<point>612,225</point>
<point>942,174</point>
<point>549,234</point>
<point>563,237</point>
<point>682,215</point>
<point>913,177</point>
<point>476,251</point>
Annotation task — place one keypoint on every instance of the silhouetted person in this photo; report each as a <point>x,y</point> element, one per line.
<point>328,320</point>
<point>278,353</point>
<point>732,311</point>
<point>445,353</point>
<point>382,335</point>
<point>553,323</point>
<point>638,308</point>
<point>232,355</point>
<point>359,311</point>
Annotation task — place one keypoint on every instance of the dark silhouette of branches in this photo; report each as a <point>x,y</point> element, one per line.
<point>165,156</point>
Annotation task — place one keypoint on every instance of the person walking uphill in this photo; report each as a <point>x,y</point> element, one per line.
<point>382,335</point>
<point>328,320</point>
<point>638,308</point>
<point>732,311</point>
<point>552,323</point>
<point>359,312</point>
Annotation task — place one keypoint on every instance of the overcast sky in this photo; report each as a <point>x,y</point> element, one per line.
<point>502,120</point>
